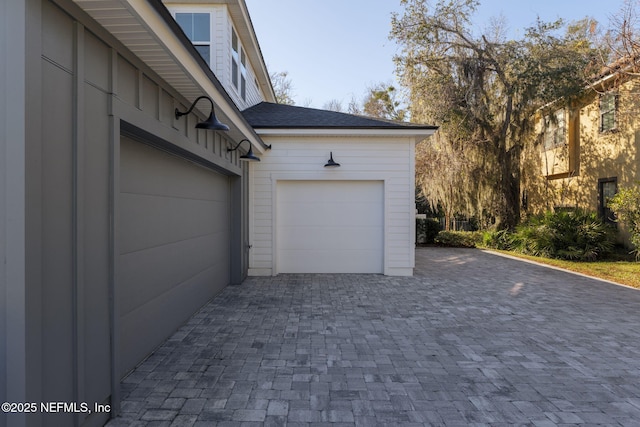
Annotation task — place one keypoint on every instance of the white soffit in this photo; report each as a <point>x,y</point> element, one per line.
<point>119,17</point>
<point>139,27</point>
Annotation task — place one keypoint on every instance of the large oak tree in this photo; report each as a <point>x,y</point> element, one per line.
<point>482,89</point>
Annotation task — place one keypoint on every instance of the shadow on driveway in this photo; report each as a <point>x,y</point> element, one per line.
<point>473,338</point>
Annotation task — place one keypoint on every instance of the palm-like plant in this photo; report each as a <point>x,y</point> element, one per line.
<point>573,235</point>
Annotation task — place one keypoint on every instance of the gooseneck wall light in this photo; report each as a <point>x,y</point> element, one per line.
<point>331,163</point>
<point>249,157</point>
<point>212,123</point>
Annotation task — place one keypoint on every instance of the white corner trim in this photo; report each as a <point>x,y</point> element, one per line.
<point>396,271</point>
<point>259,272</point>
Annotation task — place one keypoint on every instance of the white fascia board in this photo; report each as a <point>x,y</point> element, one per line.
<point>157,26</point>
<point>419,134</point>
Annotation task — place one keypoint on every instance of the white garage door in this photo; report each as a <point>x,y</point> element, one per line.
<point>330,227</point>
<point>173,235</point>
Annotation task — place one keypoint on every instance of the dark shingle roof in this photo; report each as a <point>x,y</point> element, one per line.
<point>267,115</point>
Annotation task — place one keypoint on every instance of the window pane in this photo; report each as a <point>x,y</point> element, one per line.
<point>607,112</point>
<point>195,25</point>
<point>243,88</point>
<point>607,102</point>
<point>201,27</point>
<point>234,72</point>
<point>186,23</point>
<point>608,190</point>
<point>608,121</point>
<point>560,132</point>
<point>234,41</point>
<point>560,137</point>
<point>549,131</point>
<point>205,52</point>
<point>560,119</point>
<point>555,131</point>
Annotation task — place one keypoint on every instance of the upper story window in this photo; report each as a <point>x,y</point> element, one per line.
<point>234,58</point>
<point>238,65</point>
<point>608,103</point>
<point>555,130</point>
<point>197,26</point>
<point>243,75</point>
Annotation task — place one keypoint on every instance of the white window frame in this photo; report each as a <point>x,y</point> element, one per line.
<point>196,43</point>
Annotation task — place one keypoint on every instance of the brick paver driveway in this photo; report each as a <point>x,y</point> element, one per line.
<point>473,338</point>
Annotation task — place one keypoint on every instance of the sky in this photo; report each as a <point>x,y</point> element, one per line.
<point>337,49</point>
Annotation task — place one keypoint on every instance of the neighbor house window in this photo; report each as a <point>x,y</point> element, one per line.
<point>197,26</point>
<point>607,188</point>
<point>555,130</point>
<point>608,103</point>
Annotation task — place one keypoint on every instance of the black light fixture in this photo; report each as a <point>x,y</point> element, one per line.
<point>331,163</point>
<point>212,123</point>
<point>249,157</point>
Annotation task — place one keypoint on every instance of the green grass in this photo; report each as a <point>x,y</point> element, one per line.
<point>619,271</point>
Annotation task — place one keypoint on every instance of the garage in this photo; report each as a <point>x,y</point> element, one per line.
<point>173,239</point>
<point>335,192</point>
<point>330,226</point>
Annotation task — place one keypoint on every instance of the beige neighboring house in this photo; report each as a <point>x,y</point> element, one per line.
<point>587,150</point>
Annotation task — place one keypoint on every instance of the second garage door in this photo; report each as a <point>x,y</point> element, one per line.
<point>330,227</point>
<point>174,245</point>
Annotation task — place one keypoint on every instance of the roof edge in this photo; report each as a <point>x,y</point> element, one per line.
<point>409,132</point>
<point>266,115</point>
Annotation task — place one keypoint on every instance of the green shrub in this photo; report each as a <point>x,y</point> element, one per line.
<point>626,205</point>
<point>497,239</point>
<point>427,230</point>
<point>459,239</point>
<point>571,235</point>
<point>535,237</point>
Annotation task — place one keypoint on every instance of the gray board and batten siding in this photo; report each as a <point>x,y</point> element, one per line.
<point>117,193</point>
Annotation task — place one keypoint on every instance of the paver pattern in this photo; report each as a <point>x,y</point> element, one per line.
<point>472,339</point>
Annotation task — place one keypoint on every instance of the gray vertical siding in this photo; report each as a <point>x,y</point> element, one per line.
<point>12,207</point>
<point>57,234</point>
<point>74,197</point>
<point>93,213</point>
<point>81,87</point>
